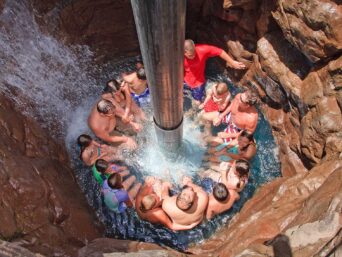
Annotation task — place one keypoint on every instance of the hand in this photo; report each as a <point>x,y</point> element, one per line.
<point>217,121</point>
<point>186,180</point>
<point>125,118</point>
<point>150,180</point>
<point>236,65</point>
<point>201,106</point>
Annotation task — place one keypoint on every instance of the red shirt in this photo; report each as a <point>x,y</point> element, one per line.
<point>194,69</point>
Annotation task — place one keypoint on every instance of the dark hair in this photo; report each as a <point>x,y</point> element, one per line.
<point>84,140</point>
<point>111,88</point>
<point>220,192</point>
<point>115,181</point>
<point>141,74</point>
<point>242,167</point>
<point>247,134</point>
<point>101,165</point>
<point>103,106</point>
<point>179,198</point>
<point>139,59</point>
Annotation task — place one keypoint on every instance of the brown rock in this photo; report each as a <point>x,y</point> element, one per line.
<point>312,26</point>
<point>41,203</point>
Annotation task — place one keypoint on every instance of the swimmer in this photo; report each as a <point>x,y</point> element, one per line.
<point>103,169</point>
<point>188,207</point>
<point>116,193</point>
<point>195,57</point>
<point>102,121</point>
<point>220,200</point>
<point>92,150</point>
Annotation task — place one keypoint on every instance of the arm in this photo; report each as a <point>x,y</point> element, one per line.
<point>218,120</point>
<point>228,135</point>
<point>128,97</point>
<point>207,98</point>
<point>231,62</point>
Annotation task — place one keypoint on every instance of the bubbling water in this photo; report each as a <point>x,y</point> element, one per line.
<point>63,84</point>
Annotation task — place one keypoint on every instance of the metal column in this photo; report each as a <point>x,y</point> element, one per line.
<point>161,31</point>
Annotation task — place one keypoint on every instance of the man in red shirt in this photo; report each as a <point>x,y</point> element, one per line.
<point>195,57</point>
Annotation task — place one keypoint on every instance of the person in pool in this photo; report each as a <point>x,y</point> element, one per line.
<point>216,102</point>
<point>148,204</point>
<point>103,169</point>
<point>128,109</point>
<point>244,147</point>
<point>220,200</point>
<point>233,175</point>
<point>102,121</point>
<point>188,207</point>
<point>116,193</point>
<point>92,150</point>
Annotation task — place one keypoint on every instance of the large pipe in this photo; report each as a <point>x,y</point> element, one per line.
<point>161,31</point>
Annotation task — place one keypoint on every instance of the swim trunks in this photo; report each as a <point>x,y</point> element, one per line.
<point>211,106</point>
<point>198,93</point>
<point>114,198</point>
<point>143,99</point>
<point>231,128</point>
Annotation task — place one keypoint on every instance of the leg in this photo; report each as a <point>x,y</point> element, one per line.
<point>128,182</point>
<point>124,173</point>
<point>133,191</point>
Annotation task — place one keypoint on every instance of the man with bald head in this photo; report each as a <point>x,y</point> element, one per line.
<point>102,121</point>
<point>195,57</point>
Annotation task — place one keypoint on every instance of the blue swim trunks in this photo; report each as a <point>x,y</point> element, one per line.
<point>197,93</point>
<point>142,99</point>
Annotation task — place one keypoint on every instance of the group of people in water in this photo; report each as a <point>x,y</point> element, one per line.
<point>119,115</point>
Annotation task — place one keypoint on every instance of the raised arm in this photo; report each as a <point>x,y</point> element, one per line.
<point>231,62</point>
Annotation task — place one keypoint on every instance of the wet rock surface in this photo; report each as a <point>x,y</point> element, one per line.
<point>41,204</point>
<point>293,53</point>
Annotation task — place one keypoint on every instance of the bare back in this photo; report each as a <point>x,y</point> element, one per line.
<point>193,216</point>
<point>136,85</point>
<point>101,125</point>
<point>215,207</point>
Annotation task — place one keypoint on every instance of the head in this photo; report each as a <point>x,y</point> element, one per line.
<point>245,138</point>
<point>185,198</point>
<point>220,192</point>
<point>139,62</point>
<point>105,107</point>
<point>248,99</point>
<point>221,88</point>
<point>189,49</point>
<point>101,165</point>
<point>111,87</point>
<point>149,202</point>
<point>84,140</point>
<point>242,168</point>
<point>141,74</point>
<point>115,181</point>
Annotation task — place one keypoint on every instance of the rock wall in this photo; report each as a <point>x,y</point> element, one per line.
<point>293,53</point>
<point>41,205</point>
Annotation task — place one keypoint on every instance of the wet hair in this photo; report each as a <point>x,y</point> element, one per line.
<point>147,203</point>
<point>247,134</point>
<point>103,106</point>
<point>221,88</point>
<point>251,98</point>
<point>220,192</point>
<point>101,165</point>
<point>84,140</point>
<point>189,45</point>
<point>242,167</point>
<point>115,181</point>
<point>111,88</point>
<point>141,74</point>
